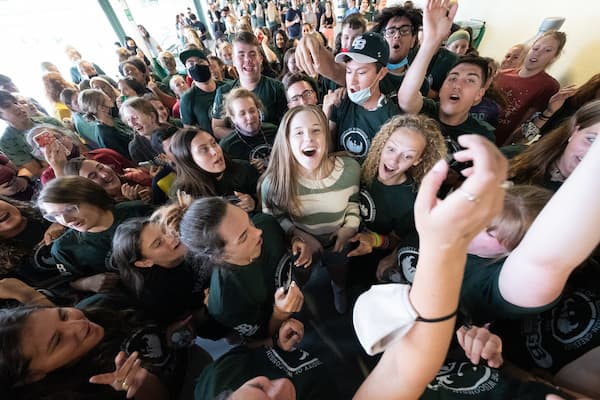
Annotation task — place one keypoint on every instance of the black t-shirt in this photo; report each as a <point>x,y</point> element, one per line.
<point>356,126</point>
<point>480,296</point>
<point>239,176</point>
<point>308,374</point>
<point>552,339</point>
<point>140,149</point>
<point>386,208</point>
<point>170,294</point>
<point>459,379</point>
<point>248,148</point>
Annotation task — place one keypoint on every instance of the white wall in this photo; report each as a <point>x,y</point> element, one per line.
<point>513,21</point>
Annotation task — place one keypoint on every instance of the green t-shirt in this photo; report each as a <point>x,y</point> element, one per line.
<point>431,108</point>
<point>390,84</point>
<point>439,66</point>
<point>241,298</point>
<point>86,129</point>
<point>14,145</point>
<point>115,137</point>
<point>248,148</point>
<point>480,296</point>
<point>356,126</point>
<point>308,374</point>
<point>386,208</point>
<point>80,254</point>
<point>195,105</point>
<point>270,92</point>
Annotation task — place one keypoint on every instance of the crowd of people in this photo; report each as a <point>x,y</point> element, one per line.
<point>377,214</point>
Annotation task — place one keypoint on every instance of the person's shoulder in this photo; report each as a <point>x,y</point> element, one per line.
<point>228,140</point>
<point>271,82</point>
<point>347,163</point>
<point>269,129</point>
<point>47,120</point>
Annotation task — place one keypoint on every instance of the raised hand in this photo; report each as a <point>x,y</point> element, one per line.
<point>128,375</point>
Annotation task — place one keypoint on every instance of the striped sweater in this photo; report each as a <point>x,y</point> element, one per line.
<point>327,204</point>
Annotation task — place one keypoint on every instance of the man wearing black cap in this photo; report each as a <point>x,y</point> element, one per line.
<point>364,109</point>
<point>195,104</point>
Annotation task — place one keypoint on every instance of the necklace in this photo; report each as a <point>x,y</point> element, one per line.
<point>241,137</point>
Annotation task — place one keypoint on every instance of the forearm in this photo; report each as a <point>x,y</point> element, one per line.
<point>270,54</point>
<point>410,99</point>
<point>561,237</point>
<point>276,320</point>
<point>434,294</point>
<point>220,128</point>
<point>167,100</point>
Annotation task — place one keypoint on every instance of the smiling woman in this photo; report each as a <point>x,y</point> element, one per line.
<point>70,353</point>
<point>91,217</point>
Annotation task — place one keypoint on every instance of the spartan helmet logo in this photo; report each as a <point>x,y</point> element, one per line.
<point>359,43</point>
<point>574,318</point>
<point>367,206</point>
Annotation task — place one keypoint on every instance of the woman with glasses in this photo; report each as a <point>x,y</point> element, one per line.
<point>110,132</point>
<point>91,217</point>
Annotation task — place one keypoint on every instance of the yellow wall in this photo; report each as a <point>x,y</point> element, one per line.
<point>510,21</point>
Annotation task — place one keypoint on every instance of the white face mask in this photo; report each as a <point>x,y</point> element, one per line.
<point>360,97</point>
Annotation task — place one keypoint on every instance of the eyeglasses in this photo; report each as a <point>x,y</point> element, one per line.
<point>306,95</point>
<point>403,30</point>
<point>67,212</point>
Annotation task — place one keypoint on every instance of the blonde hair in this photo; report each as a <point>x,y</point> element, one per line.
<point>435,147</point>
<point>522,204</point>
<point>90,101</point>
<point>283,171</point>
<point>240,93</point>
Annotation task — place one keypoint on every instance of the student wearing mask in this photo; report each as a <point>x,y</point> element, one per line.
<point>195,104</point>
<point>358,115</point>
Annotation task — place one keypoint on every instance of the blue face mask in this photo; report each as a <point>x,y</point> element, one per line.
<point>401,64</point>
<point>361,96</point>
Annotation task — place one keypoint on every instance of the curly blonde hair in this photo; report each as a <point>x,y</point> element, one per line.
<point>435,147</point>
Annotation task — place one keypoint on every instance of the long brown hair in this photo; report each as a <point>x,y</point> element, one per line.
<point>283,172</point>
<point>191,179</point>
<point>533,165</point>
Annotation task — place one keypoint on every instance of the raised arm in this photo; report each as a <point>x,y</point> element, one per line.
<point>437,20</point>
<point>445,228</point>
<point>314,58</point>
<point>561,237</point>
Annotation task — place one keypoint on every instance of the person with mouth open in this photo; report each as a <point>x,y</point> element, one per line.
<point>529,87</point>
<point>248,58</point>
<point>463,87</point>
<point>204,170</point>
<point>356,116</point>
<point>314,195</point>
<point>399,27</point>
<point>91,218</point>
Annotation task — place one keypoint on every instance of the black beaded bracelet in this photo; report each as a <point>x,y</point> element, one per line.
<point>440,319</point>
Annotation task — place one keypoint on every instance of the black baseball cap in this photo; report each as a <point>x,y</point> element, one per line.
<point>367,48</point>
